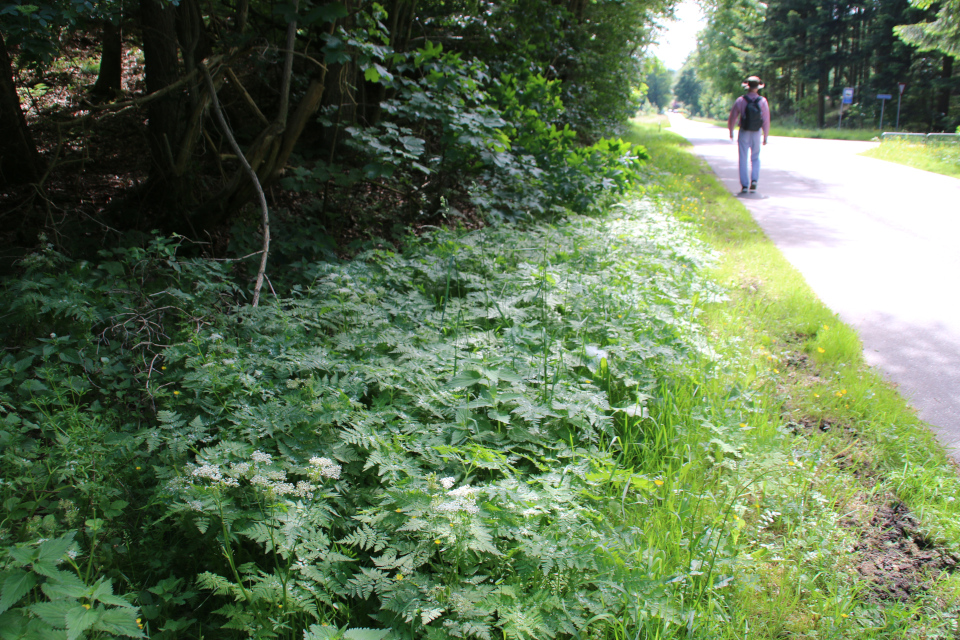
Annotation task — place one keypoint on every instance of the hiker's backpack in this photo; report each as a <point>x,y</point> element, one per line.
<point>752,117</point>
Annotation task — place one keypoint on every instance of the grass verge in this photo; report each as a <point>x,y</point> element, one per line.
<point>795,132</point>
<point>938,158</point>
<point>850,526</point>
<point>825,134</point>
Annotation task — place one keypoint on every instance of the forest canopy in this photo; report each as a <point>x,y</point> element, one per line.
<point>357,117</point>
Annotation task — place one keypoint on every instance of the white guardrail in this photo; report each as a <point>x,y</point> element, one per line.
<point>938,138</point>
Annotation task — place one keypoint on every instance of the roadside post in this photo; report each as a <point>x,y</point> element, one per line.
<point>847,99</point>
<point>882,97</point>
<point>901,86</point>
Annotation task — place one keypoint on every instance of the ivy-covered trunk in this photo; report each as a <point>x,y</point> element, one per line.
<point>19,160</point>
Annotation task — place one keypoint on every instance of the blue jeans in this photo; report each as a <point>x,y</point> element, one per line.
<point>749,141</point>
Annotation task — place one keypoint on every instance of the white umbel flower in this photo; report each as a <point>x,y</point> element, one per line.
<point>209,471</point>
<point>463,500</point>
<point>261,458</point>
<point>326,468</point>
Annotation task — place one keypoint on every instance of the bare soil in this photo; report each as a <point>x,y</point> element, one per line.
<point>895,559</point>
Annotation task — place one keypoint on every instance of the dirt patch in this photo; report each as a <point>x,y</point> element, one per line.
<point>894,558</point>
<point>808,424</point>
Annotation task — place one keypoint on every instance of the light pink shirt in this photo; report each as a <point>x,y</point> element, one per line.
<point>740,105</point>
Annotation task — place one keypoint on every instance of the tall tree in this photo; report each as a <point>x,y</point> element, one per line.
<point>658,80</point>
<point>688,87</point>
<point>19,160</point>
<point>941,34</point>
<point>728,46</point>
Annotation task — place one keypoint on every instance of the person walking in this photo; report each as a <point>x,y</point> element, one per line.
<point>753,113</point>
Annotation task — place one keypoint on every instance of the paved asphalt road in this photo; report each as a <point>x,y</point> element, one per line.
<point>878,242</point>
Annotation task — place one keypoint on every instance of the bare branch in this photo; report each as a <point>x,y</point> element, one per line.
<point>288,67</point>
<point>250,172</point>
<point>135,103</point>
<point>235,81</point>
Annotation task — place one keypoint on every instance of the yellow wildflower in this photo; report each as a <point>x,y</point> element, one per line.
<point>821,350</point>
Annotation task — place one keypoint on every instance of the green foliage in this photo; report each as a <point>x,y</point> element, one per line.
<point>37,28</point>
<point>658,80</point>
<point>941,34</point>
<point>421,442</point>
<point>506,432</point>
<point>689,87</point>
<point>449,124</point>
<point>41,601</point>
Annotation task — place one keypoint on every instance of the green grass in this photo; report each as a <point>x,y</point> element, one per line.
<point>938,158</point>
<point>795,132</point>
<point>825,134</point>
<point>794,367</point>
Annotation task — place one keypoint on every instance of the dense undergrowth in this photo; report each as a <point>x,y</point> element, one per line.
<point>449,442</point>
<point>556,429</point>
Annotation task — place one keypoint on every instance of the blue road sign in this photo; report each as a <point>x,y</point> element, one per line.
<point>884,96</point>
<point>848,95</point>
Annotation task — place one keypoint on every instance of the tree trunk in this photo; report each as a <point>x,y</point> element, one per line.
<point>192,33</point>
<point>943,98</point>
<point>164,115</point>
<point>243,11</point>
<point>111,61</point>
<point>821,97</point>
<point>19,160</point>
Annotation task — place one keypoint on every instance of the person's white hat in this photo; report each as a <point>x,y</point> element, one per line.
<point>746,83</point>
